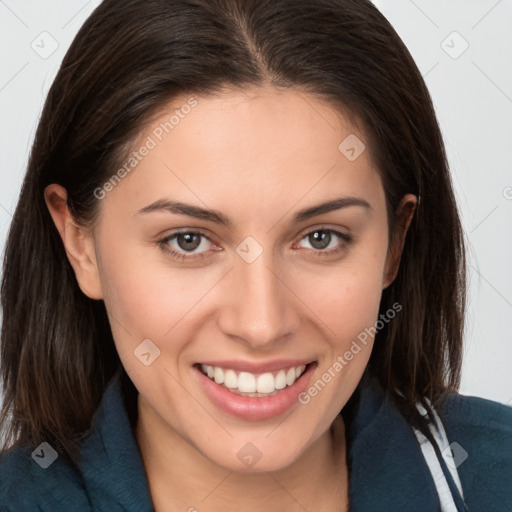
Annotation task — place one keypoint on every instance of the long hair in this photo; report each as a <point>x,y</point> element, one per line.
<point>129,59</point>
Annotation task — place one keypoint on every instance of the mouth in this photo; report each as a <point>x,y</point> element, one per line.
<point>254,395</point>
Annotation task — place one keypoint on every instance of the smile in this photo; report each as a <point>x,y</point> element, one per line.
<point>254,395</point>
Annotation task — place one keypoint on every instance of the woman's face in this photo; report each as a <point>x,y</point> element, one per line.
<point>281,262</point>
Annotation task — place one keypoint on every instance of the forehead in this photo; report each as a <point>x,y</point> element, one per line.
<point>262,144</point>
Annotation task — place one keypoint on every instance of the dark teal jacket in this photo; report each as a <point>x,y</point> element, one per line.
<point>387,470</point>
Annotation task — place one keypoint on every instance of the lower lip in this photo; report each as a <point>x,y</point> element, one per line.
<point>255,408</point>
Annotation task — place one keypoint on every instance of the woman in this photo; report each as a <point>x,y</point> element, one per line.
<point>235,278</point>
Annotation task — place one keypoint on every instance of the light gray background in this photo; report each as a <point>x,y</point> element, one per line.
<point>472,92</point>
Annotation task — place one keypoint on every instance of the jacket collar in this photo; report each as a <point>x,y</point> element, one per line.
<point>111,464</point>
<point>386,466</point>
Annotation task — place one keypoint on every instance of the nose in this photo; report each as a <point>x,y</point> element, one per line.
<point>259,306</point>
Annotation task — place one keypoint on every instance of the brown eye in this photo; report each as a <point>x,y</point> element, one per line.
<point>188,241</point>
<point>186,244</point>
<point>320,239</point>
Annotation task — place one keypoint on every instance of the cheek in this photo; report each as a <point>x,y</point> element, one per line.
<point>139,303</point>
<point>347,297</point>
<point>151,304</point>
<point>349,308</point>
<point>147,299</point>
<point>136,285</point>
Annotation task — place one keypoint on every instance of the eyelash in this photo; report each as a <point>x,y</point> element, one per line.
<point>163,244</point>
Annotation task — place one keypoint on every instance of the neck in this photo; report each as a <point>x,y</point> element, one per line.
<point>182,478</point>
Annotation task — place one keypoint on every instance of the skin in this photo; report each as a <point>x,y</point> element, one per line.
<point>258,157</point>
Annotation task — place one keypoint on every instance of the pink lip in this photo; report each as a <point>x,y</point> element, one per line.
<point>258,368</point>
<point>254,408</point>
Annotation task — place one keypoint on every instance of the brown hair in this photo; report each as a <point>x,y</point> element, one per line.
<point>133,56</point>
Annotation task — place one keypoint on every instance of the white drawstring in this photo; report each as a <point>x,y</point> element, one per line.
<point>443,489</point>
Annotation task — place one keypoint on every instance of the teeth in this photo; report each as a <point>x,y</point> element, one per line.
<point>255,385</point>
<point>265,383</point>
<point>230,378</point>
<point>290,376</point>
<point>218,375</point>
<point>246,383</point>
<point>280,382</point>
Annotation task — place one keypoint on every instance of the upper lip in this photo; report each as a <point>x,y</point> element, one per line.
<point>258,367</point>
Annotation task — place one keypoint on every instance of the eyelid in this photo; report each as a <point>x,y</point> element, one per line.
<point>183,231</point>
<point>325,227</point>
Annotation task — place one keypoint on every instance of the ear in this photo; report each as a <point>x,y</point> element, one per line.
<point>405,213</point>
<point>78,242</point>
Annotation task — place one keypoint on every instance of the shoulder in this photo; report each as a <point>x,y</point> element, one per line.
<point>38,480</point>
<point>480,436</point>
<point>107,473</point>
<point>484,423</point>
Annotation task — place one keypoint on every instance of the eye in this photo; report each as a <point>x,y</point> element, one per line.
<point>325,241</point>
<point>186,244</point>
<point>194,244</point>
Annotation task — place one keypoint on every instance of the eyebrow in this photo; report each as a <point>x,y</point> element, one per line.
<point>219,218</point>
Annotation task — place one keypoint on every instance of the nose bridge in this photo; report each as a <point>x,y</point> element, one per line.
<point>258,307</point>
